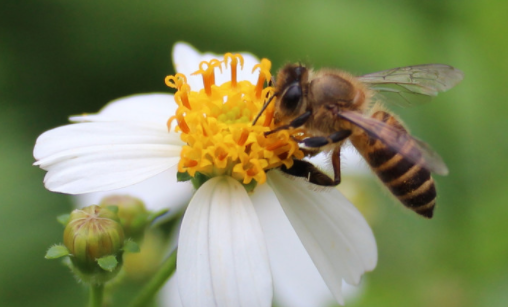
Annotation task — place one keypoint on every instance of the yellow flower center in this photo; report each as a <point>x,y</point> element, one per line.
<point>216,125</point>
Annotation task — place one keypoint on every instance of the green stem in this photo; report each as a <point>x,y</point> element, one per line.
<point>96,294</point>
<point>158,280</point>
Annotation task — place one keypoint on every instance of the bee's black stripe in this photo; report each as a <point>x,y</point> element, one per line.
<point>419,199</point>
<point>380,156</point>
<point>396,171</point>
<point>426,210</point>
<point>411,184</point>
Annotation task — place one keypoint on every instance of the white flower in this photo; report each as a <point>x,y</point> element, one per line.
<point>229,238</point>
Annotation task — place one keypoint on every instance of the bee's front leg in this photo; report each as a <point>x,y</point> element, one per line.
<point>295,123</point>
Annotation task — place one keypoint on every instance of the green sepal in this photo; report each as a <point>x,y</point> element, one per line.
<point>199,179</point>
<point>63,218</point>
<point>112,208</point>
<point>250,186</point>
<point>57,251</point>
<point>181,177</point>
<point>130,246</point>
<point>108,263</point>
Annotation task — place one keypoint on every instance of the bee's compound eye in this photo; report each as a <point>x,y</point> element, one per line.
<point>292,96</point>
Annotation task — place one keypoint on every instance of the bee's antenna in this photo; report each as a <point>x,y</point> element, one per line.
<point>263,108</point>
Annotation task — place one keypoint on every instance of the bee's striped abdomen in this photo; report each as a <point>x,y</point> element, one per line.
<point>411,184</point>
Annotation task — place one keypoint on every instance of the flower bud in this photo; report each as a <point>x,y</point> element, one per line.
<point>93,233</point>
<point>132,213</point>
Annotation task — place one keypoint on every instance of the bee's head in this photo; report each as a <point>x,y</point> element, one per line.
<point>291,88</point>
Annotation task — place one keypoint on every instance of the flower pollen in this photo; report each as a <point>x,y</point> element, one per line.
<point>216,125</point>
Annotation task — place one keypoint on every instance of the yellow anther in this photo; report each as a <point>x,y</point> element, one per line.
<point>176,81</point>
<point>170,121</point>
<point>243,137</point>
<point>264,74</point>
<point>182,124</point>
<point>208,74</point>
<point>277,144</point>
<point>183,95</point>
<point>234,62</point>
<point>269,115</point>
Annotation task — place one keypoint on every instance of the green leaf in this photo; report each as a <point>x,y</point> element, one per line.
<point>131,246</point>
<point>108,263</point>
<point>57,251</point>
<point>63,219</point>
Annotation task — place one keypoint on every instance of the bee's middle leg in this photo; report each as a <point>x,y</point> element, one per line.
<point>336,166</point>
<point>320,141</point>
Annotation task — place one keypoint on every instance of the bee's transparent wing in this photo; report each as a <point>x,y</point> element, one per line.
<point>396,139</point>
<point>413,85</point>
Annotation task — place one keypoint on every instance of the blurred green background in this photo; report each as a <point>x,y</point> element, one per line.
<point>59,58</point>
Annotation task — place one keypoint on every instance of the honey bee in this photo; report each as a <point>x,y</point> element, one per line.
<point>332,106</point>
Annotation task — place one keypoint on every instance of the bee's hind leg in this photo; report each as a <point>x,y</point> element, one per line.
<point>308,171</point>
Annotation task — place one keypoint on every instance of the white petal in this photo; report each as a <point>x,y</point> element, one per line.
<point>158,192</point>
<point>296,280</point>
<point>169,296</point>
<point>352,162</point>
<point>332,230</point>
<point>152,108</point>
<point>222,258</point>
<point>97,156</point>
<point>186,60</point>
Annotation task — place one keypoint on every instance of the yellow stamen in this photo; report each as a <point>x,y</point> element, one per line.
<point>208,74</point>
<point>243,137</point>
<point>170,121</point>
<point>234,63</point>
<point>275,145</point>
<point>176,81</point>
<point>264,74</point>
<point>191,163</point>
<point>269,115</point>
<point>184,95</point>
<point>182,124</point>
<point>215,125</point>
